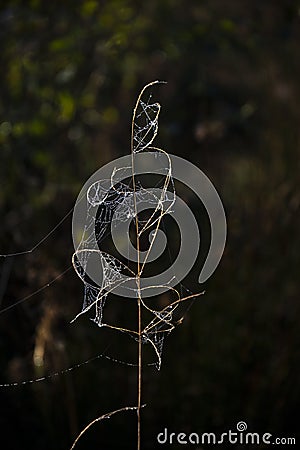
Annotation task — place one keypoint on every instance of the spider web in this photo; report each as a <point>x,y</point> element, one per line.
<point>114,202</point>
<point>111,202</point>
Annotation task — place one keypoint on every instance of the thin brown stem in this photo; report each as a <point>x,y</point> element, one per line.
<point>138,276</point>
<point>104,416</point>
<point>139,376</point>
<point>139,388</point>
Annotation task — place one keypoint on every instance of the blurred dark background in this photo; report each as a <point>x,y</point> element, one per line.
<point>70,75</point>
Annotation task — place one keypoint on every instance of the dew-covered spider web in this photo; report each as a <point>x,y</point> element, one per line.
<point>123,206</point>
<point>111,204</point>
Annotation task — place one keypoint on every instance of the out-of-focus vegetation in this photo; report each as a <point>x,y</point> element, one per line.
<point>70,74</point>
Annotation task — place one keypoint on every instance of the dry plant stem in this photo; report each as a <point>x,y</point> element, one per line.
<point>138,285</point>
<point>139,320</point>
<point>138,276</point>
<point>104,416</point>
<point>139,376</point>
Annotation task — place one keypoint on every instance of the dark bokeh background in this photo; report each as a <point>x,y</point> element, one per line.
<point>70,75</point>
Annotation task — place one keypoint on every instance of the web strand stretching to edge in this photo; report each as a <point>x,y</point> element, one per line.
<point>116,202</point>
